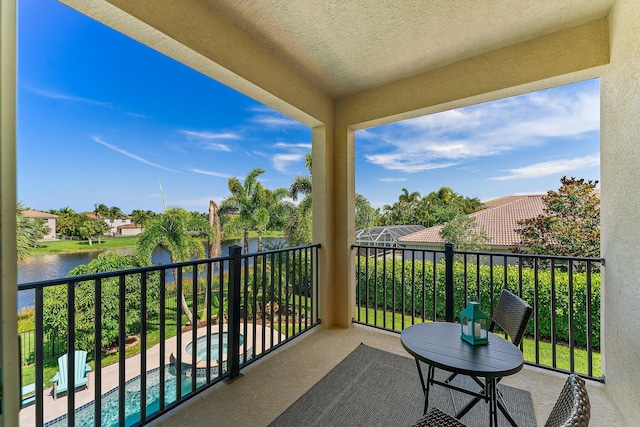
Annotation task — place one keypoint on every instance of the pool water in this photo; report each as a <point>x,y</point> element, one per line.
<point>85,415</point>
<point>201,346</point>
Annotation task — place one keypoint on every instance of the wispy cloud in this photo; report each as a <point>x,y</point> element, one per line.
<point>550,168</point>
<point>275,121</point>
<point>64,97</point>
<point>207,139</point>
<point>128,154</point>
<point>269,117</point>
<point>138,115</point>
<point>281,161</point>
<point>210,173</point>
<point>392,179</point>
<point>306,146</point>
<point>454,137</point>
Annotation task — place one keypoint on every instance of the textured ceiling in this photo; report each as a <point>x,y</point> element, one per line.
<point>347,46</point>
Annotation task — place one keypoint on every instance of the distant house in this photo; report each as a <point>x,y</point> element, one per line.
<point>499,220</point>
<point>129,229</point>
<point>113,223</point>
<point>49,219</point>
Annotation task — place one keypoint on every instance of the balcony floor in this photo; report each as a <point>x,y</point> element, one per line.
<point>271,384</point>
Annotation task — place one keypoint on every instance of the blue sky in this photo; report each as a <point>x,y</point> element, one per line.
<point>102,118</point>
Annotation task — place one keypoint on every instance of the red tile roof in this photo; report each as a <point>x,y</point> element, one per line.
<point>499,220</point>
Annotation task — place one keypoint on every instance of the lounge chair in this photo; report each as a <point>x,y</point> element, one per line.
<point>80,375</point>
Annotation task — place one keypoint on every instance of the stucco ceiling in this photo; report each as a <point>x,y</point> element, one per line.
<point>347,46</point>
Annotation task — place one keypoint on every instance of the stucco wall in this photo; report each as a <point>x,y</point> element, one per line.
<point>620,208</point>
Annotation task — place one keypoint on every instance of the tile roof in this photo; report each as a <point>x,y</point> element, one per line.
<point>499,220</point>
<point>38,214</point>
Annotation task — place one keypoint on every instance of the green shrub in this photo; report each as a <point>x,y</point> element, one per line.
<point>409,287</point>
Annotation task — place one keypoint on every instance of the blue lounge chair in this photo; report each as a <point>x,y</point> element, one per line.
<point>80,377</point>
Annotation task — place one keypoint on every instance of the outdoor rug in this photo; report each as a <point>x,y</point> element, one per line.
<point>372,387</point>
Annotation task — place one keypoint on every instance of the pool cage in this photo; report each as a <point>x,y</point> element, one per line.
<point>385,236</point>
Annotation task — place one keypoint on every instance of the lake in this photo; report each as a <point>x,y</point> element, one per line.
<point>54,266</point>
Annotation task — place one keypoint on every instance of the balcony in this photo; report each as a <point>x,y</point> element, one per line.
<point>272,312</point>
<point>338,84</point>
<point>268,387</point>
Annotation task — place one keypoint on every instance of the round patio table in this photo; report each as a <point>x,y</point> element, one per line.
<point>439,345</point>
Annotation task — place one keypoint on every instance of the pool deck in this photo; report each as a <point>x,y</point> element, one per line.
<point>58,407</point>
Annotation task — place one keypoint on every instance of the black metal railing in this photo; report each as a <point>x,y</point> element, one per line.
<point>397,287</point>
<point>250,304</point>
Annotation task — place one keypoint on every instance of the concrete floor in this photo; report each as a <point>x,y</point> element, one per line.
<point>269,385</point>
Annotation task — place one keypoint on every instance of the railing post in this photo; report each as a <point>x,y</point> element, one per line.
<point>233,333</point>
<point>448,281</point>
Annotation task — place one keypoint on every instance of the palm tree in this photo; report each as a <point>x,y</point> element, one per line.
<point>298,228</point>
<point>215,249</point>
<point>27,233</point>
<point>101,210</point>
<point>243,202</point>
<point>178,232</point>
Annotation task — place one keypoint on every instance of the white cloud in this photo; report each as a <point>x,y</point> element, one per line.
<point>282,161</point>
<point>138,115</point>
<point>206,139</point>
<point>392,179</point>
<point>305,145</point>
<point>406,162</point>
<point>65,97</point>
<point>452,137</point>
<point>550,168</point>
<point>128,154</point>
<point>275,121</point>
<point>210,173</point>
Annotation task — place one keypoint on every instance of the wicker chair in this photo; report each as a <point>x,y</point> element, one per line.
<point>572,409</point>
<point>437,418</point>
<point>512,315</point>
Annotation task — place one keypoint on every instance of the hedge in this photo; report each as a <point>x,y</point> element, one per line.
<point>378,273</point>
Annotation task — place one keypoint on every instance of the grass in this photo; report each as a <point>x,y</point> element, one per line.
<point>381,319</point>
<point>62,246</point>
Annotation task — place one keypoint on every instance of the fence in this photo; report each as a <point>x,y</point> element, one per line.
<point>252,304</point>
<point>399,287</point>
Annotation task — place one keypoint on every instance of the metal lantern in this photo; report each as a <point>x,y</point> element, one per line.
<point>474,324</point>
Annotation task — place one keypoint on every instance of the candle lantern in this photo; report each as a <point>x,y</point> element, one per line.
<point>474,323</point>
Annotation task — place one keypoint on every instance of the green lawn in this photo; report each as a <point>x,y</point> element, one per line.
<point>60,246</point>
<point>378,318</point>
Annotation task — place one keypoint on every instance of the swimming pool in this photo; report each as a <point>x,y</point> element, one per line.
<point>201,346</point>
<point>85,414</point>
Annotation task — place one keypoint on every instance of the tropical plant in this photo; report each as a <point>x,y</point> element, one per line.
<point>252,207</point>
<point>178,232</point>
<point>28,231</point>
<point>298,227</point>
<point>141,217</point>
<point>55,302</point>
<point>569,224</point>
<point>435,208</point>
<point>463,232</point>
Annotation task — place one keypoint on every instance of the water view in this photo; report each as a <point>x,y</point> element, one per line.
<point>55,266</point>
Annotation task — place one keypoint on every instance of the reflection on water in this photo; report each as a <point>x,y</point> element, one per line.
<point>55,266</point>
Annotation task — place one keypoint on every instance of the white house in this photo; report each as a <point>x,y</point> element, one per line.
<point>49,219</point>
